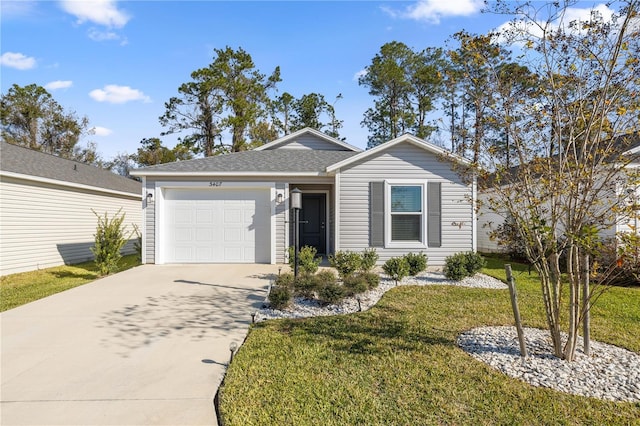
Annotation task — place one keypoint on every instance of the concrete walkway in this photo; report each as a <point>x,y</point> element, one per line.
<point>147,346</point>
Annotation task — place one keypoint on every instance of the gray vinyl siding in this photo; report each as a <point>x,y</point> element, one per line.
<point>150,222</point>
<point>404,161</point>
<point>309,141</point>
<point>281,237</point>
<point>488,221</point>
<point>45,225</point>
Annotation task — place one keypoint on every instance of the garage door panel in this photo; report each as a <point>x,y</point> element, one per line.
<point>209,226</point>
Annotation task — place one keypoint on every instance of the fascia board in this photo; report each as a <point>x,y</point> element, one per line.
<point>68,184</point>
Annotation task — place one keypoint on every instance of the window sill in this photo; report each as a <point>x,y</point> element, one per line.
<point>405,245</point>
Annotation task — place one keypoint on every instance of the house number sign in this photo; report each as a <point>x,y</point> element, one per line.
<point>215,183</point>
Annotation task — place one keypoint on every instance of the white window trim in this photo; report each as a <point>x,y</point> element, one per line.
<point>388,242</point>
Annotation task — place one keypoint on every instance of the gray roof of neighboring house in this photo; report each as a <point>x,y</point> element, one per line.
<point>25,161</point>
<point>270,161</point>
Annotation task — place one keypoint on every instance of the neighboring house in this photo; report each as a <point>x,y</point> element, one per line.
<point>489,220</point>
<point>46,205</point>
<point>402,196</point>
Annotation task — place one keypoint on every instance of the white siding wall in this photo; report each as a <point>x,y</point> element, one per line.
<point>488,220</point>
<point>405,161</point>
<point>44,225</point>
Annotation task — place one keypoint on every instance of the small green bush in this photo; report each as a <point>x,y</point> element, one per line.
<point>325,276</point>
<point>355,284</point>
<point>369,257</point>
<point>279,297</point>
<point>345,262</point>
<point>461,265</point>
<point>109,240</point>
<point>397,268</point>
<point>307,261</point>
<point>372,279</point>
<point>417,262</point>
<point>306,285</point>
<point>331,293</point>
<point>475,263</point>
<point>455,267</point>
<point>285,280</point>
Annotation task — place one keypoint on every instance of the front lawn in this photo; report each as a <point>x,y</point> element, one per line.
<point>398,363</point>
<point>25,287</point>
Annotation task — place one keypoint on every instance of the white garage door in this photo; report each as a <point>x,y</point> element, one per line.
<point>217,226</point>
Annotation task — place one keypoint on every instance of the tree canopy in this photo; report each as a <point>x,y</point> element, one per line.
<point>31,117</point>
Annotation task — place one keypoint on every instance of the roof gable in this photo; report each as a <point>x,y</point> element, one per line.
<point>26,162</point>
<point>406,138</point>
<point>286,141</point>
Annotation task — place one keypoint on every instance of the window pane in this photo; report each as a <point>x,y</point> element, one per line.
<point>406,227</point>
<point>406,199</point>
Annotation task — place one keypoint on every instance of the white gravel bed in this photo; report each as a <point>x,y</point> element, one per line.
<point>609,372</point>
<point>303,308</point>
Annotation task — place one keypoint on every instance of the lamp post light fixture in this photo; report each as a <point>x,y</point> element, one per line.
<point>233,346</point>
<point>296,205</point>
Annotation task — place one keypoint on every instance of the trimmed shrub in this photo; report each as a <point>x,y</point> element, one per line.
<point>355,284</point>
<point>325,276</point>
<point>331,293</point>
<point>368,258</point>
<point>345,262</point>
<point>109,240</point>
<point>417,262</point>
<point>461,265</point>
<point>397,268</point>
<point>455,267</point>
<point>475,263</point>
<point>306,285</point>
<point>285,280</point>
<point>307,261</point>
<point>372,279</point>
<point>279,297</point>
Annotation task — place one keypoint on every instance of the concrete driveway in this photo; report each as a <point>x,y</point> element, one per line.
<point>147,346</point>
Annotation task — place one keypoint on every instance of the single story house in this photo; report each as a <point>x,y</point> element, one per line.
<point>401,196</point>
<point>46,205</point>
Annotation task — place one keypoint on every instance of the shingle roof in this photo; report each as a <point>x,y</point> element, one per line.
<point>25,161</point>
<point>276,161</point>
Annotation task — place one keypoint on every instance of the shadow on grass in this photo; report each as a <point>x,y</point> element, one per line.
<point>75,275</point>
<point>383,331</point>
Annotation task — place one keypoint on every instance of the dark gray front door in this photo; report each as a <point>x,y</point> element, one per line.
<point>314,212</point>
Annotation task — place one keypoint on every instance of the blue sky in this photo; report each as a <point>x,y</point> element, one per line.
<point>118,62</point>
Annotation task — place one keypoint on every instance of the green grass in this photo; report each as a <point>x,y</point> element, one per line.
<point>398,364</point>
<point>25,287</point>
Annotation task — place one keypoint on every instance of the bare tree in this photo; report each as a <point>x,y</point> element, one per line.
<point>571,145</point>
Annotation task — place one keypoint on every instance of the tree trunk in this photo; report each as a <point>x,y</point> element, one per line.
<point>586,303</point>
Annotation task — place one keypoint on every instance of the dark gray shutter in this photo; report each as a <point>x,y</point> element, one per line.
<point>376,214</point>
<point>434,214</point>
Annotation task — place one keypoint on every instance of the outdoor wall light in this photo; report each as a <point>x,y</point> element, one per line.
<point>149,196</point>
<point>280,198</point>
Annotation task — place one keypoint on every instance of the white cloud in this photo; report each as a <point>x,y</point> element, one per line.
<point>359,74</point>
<point>101,12</point>
<point>17,60</point>
<point>118,94</point>
<point>433,10</point>
<point>101,131</point>
<point>58,84</point>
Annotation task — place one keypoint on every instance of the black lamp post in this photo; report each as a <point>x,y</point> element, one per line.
<point>296,205</point>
